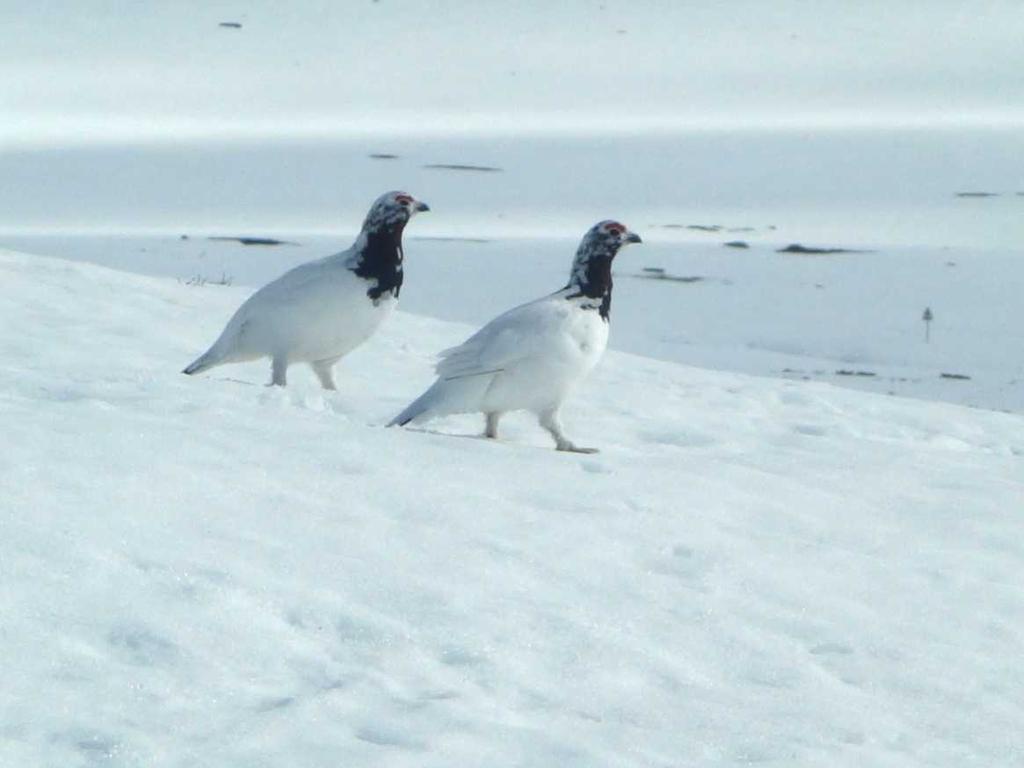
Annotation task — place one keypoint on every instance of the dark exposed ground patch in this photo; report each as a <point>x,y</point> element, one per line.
<point>736,244</point>
<point>382,156</point>
<point>202,280</point>
<point>807,249</point>
<point>955,376</point>
<point>978,194</point>
<point>817,372</point>
<point>462,167</point>
<point>443,239</point>
<point>253,240</point>
<point>230,25</point>
<point>658,273</point>
<point>710,228</point>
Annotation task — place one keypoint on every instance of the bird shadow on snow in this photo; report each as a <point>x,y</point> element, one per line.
<point>589,462</point>
<point>463,435</point>
<point>240,381</point>
<point>482,438</point>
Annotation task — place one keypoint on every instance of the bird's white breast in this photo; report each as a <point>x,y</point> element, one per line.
<point>341,323</point>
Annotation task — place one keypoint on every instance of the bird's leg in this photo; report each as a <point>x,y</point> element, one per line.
<point>492,425</point>
<point>550,421</point>
<point>278,372</point>
<point>322,369</point>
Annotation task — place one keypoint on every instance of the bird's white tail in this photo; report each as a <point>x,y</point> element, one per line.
<point>419,407</point>
<point>207,360</point>
<point>446,396</point>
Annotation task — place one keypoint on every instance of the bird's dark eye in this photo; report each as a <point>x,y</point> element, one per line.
<point>403,199</point>
<point>616,229</point>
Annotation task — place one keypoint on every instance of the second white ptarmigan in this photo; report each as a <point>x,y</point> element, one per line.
<point>322,310</point>
<point>532,356</point>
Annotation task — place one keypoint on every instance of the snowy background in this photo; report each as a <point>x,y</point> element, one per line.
<point>773,560</point>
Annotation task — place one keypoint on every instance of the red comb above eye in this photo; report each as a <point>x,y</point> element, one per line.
<point>403,199</point>
<point>615,227</point>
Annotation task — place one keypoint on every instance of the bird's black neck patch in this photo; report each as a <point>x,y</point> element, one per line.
<point>592,278</point>
<point>381,260</point>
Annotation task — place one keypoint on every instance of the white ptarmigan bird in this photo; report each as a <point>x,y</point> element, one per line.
<point>531,357</point>
<point>320,311</point>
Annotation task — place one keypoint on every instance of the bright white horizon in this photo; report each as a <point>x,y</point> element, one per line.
<point>103,72</point>
<point>42,132</point>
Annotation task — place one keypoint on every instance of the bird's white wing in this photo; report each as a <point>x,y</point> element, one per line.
<point>296,282</point>
<point>293,289</point>
<point>285,295</point>
<point>513,336</point>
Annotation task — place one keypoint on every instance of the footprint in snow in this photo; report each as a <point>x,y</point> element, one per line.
<point>388,737</point>
<point>678,438</point>
<point>685,564</point>
<point>595,468</point>
<point>840,660</point>
<point>270,705</point>
<point>139,646</point>
<point>93,747</point>
<point>811,430</point>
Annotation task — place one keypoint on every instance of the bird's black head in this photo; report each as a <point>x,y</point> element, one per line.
<point>391,212</point>
<point>379,246</point>
<point>592,268</point>
<point>597,249</point>
<point>605,238</point>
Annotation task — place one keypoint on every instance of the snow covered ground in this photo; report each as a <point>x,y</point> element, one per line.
<point>203,571</point>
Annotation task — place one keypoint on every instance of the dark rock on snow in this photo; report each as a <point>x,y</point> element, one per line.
<point>254,240</point>
<point>798,248</point>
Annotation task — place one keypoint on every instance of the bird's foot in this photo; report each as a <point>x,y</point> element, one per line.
<point>570,448</point>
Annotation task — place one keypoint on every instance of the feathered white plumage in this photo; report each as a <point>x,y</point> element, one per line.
<point>322,310</point>
<point>532,356</point>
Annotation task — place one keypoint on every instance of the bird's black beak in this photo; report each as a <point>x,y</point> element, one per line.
<point>632,237</point>
<point>421,207</point>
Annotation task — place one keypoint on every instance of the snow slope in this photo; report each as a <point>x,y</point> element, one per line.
<point>205,572</point>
